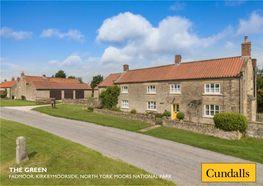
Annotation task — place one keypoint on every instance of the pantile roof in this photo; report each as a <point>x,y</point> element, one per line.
<point>50,79</point>
<point>109,80</point>
<point>54,85</point>
<point>7,84</point>
<point>213,68</point>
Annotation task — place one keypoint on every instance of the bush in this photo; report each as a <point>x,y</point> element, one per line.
<point>230,121</point>
<point>180,115</point>
<point>3,93</point>
<point>90,109</point>
<point>109,97</point>
<point>158,115</point>
<point>133,111</point>
<point>167,114</point>
<point>23,97</point>
<point>117,109</point>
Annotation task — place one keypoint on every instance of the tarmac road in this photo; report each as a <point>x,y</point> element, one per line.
<point>157,156</point>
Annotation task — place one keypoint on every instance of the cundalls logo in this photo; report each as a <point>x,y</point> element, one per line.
<point>228,172</point>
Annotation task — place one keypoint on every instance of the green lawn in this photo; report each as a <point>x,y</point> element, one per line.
<point>61,156</point>
<point>75,112</point>
<point>246,148</point>
<point>16,102</point>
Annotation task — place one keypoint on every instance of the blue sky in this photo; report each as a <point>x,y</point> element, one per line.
<point>88,38</point>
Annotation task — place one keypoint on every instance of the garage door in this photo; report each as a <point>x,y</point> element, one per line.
<point>55,94</point>
<point>79,94</point>
<point>68,94</point>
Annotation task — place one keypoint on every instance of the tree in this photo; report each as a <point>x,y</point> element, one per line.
<point>60,74</point>
<point>79,78</point>
<point>260,78</point>
<point>109,97</point>
<point>260,89</point>
<point>96,81</point>
<point>72,77</point>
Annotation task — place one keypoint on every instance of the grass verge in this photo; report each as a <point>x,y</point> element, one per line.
<point>18,102</point>
<point>61,156</point>
<point>246,148</point>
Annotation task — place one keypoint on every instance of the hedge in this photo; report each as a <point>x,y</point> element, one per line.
<point>231,121</point>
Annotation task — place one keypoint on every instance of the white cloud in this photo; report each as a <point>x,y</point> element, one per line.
<point>17,35</point>
<point>253,25</point>
<point>74,58</point>
<point>92,59</point>
<point>234,2</point>
<point>53,62</point>
<point>174,35</point>
<point>177,6</point>
<point>229,45</point>
<point>71,34</point>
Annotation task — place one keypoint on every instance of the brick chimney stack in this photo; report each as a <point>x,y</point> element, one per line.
<point>246,48</point>
<point>22,74</point>
<point>5,80</point>
<point>177,59</point>
<point>13,79</point>
<point>125,67</point>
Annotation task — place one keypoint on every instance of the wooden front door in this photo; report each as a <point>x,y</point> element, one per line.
<point>175,110</point>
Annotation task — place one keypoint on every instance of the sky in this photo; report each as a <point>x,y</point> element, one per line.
<point>89,38</point>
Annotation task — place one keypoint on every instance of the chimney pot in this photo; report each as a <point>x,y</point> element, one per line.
<point>44,75</point>
<point>5,80</point>
<point>125,67</point>
<point>246,48</point>
<point>22,74</point>
<point>178,59</point>
<point>13,79</point>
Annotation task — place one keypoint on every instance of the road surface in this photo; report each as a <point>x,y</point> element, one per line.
<point>157,156</point>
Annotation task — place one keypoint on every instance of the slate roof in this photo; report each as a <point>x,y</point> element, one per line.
<point>41,85</point>
<point>109,80</point>
<point>213,68</point>
<point>7,84</point>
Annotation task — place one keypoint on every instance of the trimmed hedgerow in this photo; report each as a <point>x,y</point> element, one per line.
<point>167,113</point>
<point>231,121</point>
<point>180,115</point>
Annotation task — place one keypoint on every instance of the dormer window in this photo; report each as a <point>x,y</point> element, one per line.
<point>212,88</point>
<point>124,89</point>
<point>151,89</point>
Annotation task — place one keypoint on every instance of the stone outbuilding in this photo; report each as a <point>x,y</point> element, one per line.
<point>10,87</point>
<point>34,87</point>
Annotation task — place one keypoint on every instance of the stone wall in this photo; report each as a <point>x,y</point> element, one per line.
<point>89,103</point>
<point>43,100</point>
<point>260,117</point>
<point>255,130</point>
<point>148,119</point>
<point>203,129</point>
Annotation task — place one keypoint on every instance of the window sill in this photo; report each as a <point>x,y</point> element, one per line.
<point>175,93</point>
<point>150,110</point>
<point>150,93</point>
<point>124,92</point>
<point>208,117</point>
<point>125,107</point>
<point>210,94</point>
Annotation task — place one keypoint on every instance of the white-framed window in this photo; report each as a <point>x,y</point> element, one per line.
<point>151,105</point>
<point>125,104</point>
<point>124,89</point>
<point>211,110</point>
<point>212,88</point>
<point>151,89</point>
<point>175,88</point>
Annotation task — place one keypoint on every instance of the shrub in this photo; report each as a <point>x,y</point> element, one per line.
<point>23,97</point>
<point>180,115</point>
<point>90,109</point>
<point>117,109</point>
<point>167,113</point>
<point>230,121</point>
<point>3,93</point>
<point>158,115</point>
<point>133,111</point>
<point>109,97</point>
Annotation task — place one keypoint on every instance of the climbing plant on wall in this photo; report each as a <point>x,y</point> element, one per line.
<point>194,109</point>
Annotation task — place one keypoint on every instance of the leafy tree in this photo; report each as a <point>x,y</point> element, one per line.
<point>60,74</point>
<point>72,77</point>
<point>96,80</point>
<point>109,97</point>
<point>260,100</point>
<point>260,78</point>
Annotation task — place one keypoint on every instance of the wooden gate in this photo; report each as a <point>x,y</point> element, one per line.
<point>79,94</point>
<point>55,94</point>
<point>68,94</point>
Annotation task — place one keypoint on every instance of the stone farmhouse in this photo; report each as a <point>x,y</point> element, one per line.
<point>200,89</point>
<point>33,87</point>
<point>10,87</point>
